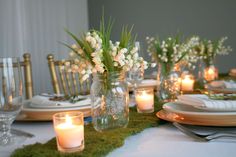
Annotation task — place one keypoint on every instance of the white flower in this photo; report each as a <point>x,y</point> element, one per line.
<point>153,65</point>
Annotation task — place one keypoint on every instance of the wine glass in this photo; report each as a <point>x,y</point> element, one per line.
<point>134,78</point>
<point>11,95</point>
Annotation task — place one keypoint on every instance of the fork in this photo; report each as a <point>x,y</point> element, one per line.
<point>21,133</point>
<point>201,137</point>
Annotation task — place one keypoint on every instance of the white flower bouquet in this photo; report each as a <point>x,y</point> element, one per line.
<point>95,52</point>
<point>171,51</point>
<point>207,50</point>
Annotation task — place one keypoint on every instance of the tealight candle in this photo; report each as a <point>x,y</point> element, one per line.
<point>187,83</point>
<point>69,129</point>
<point>210,73</point>
<point>145,100</point>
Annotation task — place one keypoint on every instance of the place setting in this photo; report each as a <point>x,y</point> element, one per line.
<point>42,107</point>
<point>215,106</point>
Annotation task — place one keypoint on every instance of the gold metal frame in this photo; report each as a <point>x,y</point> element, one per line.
<point>26,64</point>
<point>66,82</point>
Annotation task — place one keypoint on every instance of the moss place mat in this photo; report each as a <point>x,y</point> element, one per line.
<point>96,143</point>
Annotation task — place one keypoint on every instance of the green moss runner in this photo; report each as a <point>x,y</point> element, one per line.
<point>96,143</point>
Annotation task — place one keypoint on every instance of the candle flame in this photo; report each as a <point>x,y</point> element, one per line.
<point>211,71</point>
<point>68,120</point>
<point>144,92</point>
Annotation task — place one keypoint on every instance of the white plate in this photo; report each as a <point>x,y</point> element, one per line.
<point>56,105</point>
<point>223,90</point>
<point>190,111</point>
<point>43,114</point>
<point>28,108</point>
<point>172,117</point>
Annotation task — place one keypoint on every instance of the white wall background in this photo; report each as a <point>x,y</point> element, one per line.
<point>36,26</point>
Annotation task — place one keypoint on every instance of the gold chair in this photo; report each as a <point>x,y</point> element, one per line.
<point>27,70</point>
<point>66,82</point>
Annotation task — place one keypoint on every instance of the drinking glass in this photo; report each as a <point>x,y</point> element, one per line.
<point>11,95</point>
<point>134,77</point>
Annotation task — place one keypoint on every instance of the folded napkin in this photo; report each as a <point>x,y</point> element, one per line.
<point>148,82</point>
<point>222,84</point>
<point>202,101</point>
<point>44,102</point>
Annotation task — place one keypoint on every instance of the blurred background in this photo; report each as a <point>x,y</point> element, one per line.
<point>36,26</point>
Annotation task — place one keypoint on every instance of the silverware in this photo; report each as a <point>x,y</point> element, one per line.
<point>205,137</point>
<point>21,133</point>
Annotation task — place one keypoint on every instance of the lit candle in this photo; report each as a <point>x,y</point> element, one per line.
<point>69,132</point>
<point>187,83</point>
<point>210,73</point>
<point>145,100</point>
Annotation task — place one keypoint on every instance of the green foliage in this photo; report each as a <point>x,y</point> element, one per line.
<point>126,37</point>
<point>96,143</point>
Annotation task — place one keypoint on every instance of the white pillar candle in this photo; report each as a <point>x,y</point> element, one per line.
<point>144,100</point>
<point>187,83</point>
<point>69,135</point>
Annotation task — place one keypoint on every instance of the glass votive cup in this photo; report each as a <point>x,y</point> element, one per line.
<point>187,82</point>
<point>210,73</point>
<point>145,100</point>
<point>69,129</point>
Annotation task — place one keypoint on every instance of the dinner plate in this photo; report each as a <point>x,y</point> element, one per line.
<point>223,90</point>
<point>173,117</point>
<point>45,114</point>
<point>59,104</point>
<point>192,112</point>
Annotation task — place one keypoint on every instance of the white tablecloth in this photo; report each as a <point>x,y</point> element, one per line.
<point>162,141</point>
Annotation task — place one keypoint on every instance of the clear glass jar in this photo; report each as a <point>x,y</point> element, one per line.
<point>170,82</point>
<point>110,101</point>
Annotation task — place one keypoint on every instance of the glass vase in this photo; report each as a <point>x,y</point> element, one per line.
<point>110,101</point>
<point>170,82</point>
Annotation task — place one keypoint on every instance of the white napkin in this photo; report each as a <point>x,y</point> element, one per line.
<point>202,101</point>
<point>222,84</point>
<point>44,102</point>
<point>148,82</point>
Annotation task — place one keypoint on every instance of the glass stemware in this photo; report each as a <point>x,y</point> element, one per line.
<point>11,95</point>
<point>134,77</point>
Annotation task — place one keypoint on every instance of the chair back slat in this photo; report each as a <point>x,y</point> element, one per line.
<point>63,81</point>
<point>74,84</point>
<point>68,79</point>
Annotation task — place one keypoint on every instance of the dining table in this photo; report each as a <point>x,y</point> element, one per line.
<point>162,141</point>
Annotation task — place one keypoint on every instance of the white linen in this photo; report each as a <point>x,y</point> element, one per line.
<point>202,101</point>
<point>162,141</point>
<point>44,102</point>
